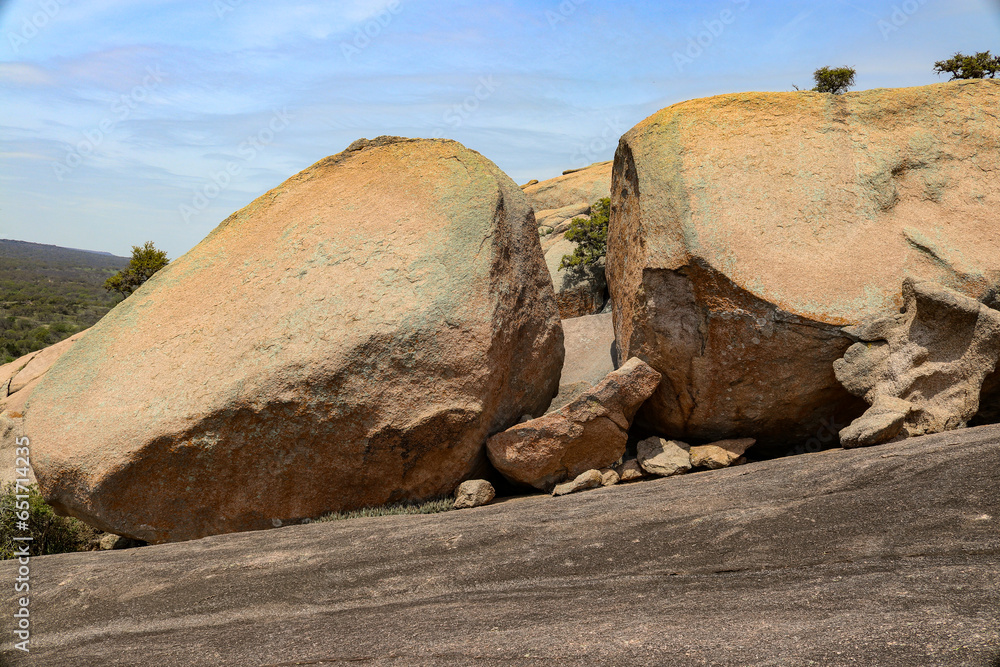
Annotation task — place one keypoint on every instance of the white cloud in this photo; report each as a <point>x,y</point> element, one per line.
<point>23,74</point>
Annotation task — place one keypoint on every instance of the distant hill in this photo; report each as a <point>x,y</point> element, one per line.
<point>48,293</point>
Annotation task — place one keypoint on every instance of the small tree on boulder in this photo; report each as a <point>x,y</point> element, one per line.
<point>982,65</point>
<point>591,237</point>
<point>146,260</point>
<point>834,80</point>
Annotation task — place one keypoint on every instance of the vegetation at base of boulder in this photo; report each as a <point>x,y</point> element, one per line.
<point>429,507</point>
<point>146,260</point>
<point>591,237</point>
<point>834,80</point>
<point>48,293</point>
<point>50,533</point>
<point>982,65</point>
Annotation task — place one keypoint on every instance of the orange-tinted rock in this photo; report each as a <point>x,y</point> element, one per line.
<point>583,186</point>
<point>721,454</point>
<point>348,339</point>
<point>589,433</point>
<point>22,372</point>
<point>748,229</point>
<point>11,452</point>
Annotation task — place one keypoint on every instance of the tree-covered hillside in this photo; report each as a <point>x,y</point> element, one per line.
<point>48,293</point>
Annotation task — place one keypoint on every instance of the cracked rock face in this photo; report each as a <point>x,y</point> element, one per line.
<point>348,339</point>
<point>748,229</point>
<point>921,370</point>
<point>589,433</point>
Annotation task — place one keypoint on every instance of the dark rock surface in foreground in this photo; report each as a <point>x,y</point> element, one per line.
<point>884,556</point>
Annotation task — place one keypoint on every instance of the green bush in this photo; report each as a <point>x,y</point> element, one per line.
<point>51,533</point>
<point>146,261</point>
<point>834,80</point>
<point>591,237</point>
<point>429,507</point>
<point>979,66</point>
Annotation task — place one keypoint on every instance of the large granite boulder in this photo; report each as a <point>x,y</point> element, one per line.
<point>589,433</point>
<point>348,339</point>
<point>748,229</point>
<point>921,370</point>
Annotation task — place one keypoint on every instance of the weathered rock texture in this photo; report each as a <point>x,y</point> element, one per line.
<point>846,558</point>
<point>591,432</point>
<point>19,377</point>
<point>12,430</point>
<point>922,369</point>
<point>348,339</point>
<point>474,493</point>
<point>582,187</point>
<point>664,458</point>
<point>17,380</point>
<point>721,454</point>
<point>585,481</point>
<point>630,470</point>
<point>747,229</point>
<point>590,356</point>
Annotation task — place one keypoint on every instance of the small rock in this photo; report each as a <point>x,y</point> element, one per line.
<point>664,458</point>
<point>591,433</point>
<point>533,181</point>
<point>629,471</point>
<point>609,477</point>
<point>881,423</point>
<point>587,480</point>
<point>111,541</point>
<point>721,454</point>
<point>474,493</point>
<point>544,230</point>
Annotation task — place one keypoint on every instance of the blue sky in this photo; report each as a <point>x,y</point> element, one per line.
<point>125,121</point>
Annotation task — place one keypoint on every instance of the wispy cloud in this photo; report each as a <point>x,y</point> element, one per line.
<point>559,87</point>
